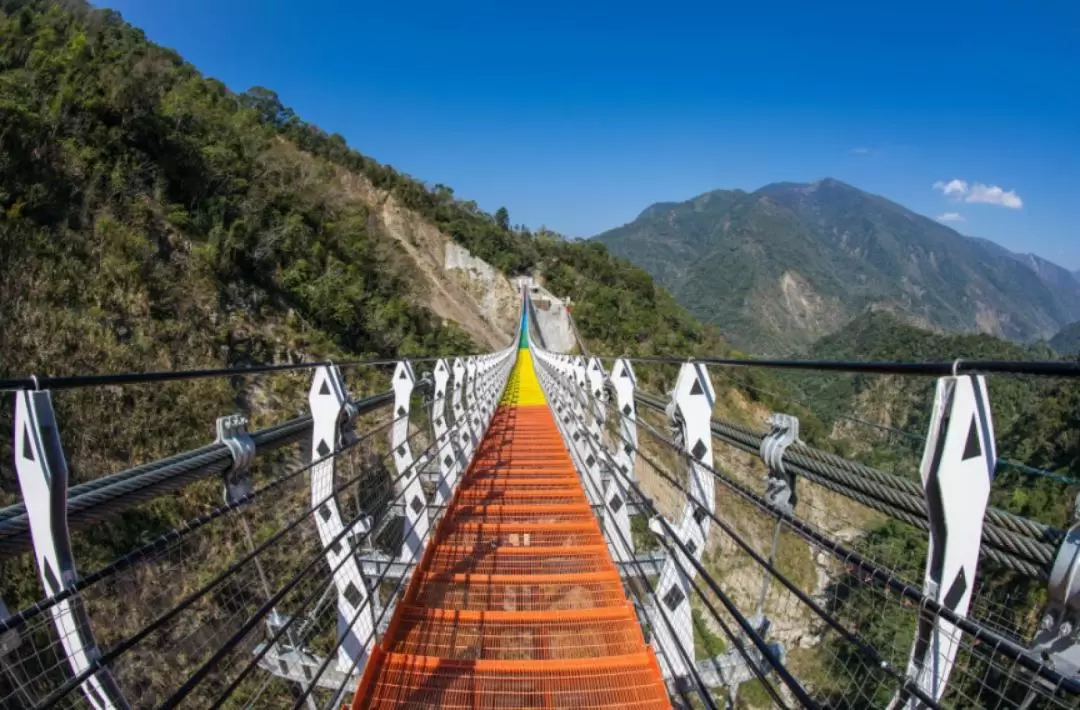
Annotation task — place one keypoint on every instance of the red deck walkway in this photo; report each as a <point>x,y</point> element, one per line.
<point>516,602</point>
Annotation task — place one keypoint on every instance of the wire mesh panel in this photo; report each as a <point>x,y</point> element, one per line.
<point>549,635</point>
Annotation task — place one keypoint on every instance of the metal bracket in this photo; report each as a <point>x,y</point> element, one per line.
<point>232,431</point>
<point>349,415</point>
<point>780,485</point>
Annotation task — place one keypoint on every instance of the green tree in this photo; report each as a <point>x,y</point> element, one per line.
<point>502,218</point>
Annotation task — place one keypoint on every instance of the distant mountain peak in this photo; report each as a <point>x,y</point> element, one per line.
<point>728,254</point>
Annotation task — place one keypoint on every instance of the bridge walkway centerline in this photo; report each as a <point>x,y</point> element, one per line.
<point>517,602</point>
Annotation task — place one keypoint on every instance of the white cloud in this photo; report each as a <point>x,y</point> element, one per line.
<point>860,151</point>
<point>952,188</point>
<point>978,193</point>
<point>994,195</point>
<point>951,217</point>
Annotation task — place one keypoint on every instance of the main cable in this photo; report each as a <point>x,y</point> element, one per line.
<point>163,542</point>
<point>850,557</point>
<point>105,659</point>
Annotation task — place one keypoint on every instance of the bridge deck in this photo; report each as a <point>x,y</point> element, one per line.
<point>516,602</point>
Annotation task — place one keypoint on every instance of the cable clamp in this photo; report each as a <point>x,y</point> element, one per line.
<point>232,432</point>
<point>779,485</point>
<point>1058,639</point>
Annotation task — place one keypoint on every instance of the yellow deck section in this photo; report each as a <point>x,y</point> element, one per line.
<point>523,389</point>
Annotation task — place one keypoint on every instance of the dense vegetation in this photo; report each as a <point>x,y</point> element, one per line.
<point>1034,418</point>
<point>782,266</point>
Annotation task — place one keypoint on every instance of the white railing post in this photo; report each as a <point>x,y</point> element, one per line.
<point>957,468</point>
<point>624,453</point>
<point>328,399</point>
<point>43,478</point>
<point>691,408</point>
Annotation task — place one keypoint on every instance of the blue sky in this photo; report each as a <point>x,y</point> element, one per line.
<point>578,115</point>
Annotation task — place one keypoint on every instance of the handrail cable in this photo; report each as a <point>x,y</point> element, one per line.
<point>1023,544</point>
<point>63,382</point>
<point>911,436</point>
<point>317,591</point>
<point>739,646</point>
<point>195,678</point>
<point>863,647</point>
<point>965,366</point>
<point>690,664</point>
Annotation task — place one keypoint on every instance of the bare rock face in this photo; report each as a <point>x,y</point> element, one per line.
<point>450,281</point>
<point>492,291</point>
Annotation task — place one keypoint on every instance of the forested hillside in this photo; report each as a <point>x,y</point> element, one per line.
<point>1034,418</point>
<point>152,219</point>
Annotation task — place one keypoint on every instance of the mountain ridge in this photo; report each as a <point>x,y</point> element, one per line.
<point>798,260</point>
<point>1067,340</point>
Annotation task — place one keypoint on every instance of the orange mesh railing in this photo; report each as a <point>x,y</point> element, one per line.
<point>516,602</point>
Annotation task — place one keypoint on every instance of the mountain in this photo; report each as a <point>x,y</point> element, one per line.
<point>777,268</point>
<point>1057,277</point>
<point>1067,341</point>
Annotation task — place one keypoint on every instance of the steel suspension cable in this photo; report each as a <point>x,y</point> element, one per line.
<point>1024,545</point>
<point>877,573</point>
<point>149,550</point>
<point>97,500</point>
<point>690,663</point>
<point>120,648</point>
<point>848,636</point>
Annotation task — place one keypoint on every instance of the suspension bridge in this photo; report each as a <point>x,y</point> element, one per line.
<point>534,529</point>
